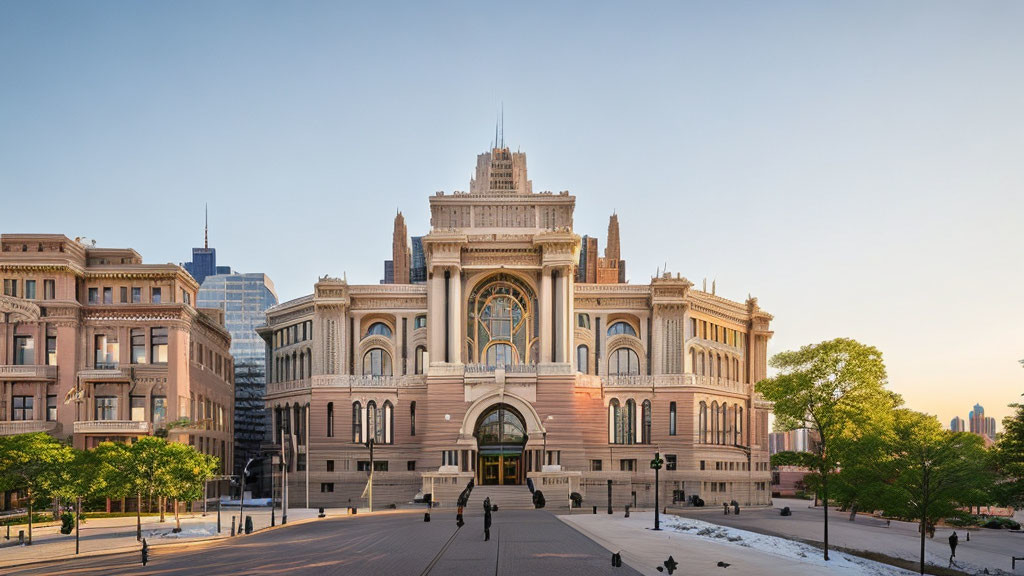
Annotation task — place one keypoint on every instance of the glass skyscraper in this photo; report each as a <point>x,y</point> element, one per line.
<point>244,298</point>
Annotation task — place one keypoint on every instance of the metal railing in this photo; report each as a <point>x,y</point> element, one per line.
<point>112,427</point>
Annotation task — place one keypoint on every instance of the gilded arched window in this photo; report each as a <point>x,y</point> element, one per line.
<point>645,415</point>
<point>622,422</point>
<point>501,327</point>
<point>357,422</point>
<point>623,361</point>
<point>702,424</point>
<point>582,358</point>
<point>377,362</point>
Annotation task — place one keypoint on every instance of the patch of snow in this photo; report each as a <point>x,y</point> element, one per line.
<point>788,549</point>
<point>201,531</point>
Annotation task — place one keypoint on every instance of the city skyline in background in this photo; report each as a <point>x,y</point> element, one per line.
<point>862,172</point>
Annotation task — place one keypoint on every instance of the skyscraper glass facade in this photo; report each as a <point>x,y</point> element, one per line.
<point>418,271</point>
<point>244,298</point>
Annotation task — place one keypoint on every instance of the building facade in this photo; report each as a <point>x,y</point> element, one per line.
<point>980,424</point>
<point>99,346</point>
<point>503,368</point>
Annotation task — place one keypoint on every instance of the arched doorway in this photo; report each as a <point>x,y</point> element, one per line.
<point>500,437</point>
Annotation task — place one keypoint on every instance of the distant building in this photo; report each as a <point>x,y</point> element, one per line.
<point>204,261</point>
<point>587,272</point>
<point>595,269</point>
<point>957,424</point>
<point>981,425</point>
<point>800,440</point>
<point>244,298</point>
<point>418,272</point>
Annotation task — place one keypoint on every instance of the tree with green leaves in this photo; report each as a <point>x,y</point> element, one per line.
<point>836,388</point>
<point>1008,459</point>
<point>32,462</point>
<point>933,473</point>
<point>121,476</point>
<point>185,475</point>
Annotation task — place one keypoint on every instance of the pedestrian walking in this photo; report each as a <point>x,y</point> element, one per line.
<point>953,539</point>
<point>487,519</point>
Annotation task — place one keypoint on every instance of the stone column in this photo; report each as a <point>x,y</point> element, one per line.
<point>455,317</point>
<point>435,320</point>
<point>545,305</point>
<point>559,316</point>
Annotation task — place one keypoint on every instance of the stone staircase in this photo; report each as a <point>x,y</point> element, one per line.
<point>506,497</point>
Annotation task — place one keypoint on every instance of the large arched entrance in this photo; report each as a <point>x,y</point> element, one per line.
<point>500,436</point>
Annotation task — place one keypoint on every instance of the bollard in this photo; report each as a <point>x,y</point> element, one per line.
<point>322,514</point>
<point>232,525</point>
<point>145,552</point>
<point>353,510</point>
<point>595,509</point>
<point>248,524</point>
<point>21,536</point>
<point>609,496</point>
<point>617,559</point>
<point>426,516</point>
<point>627,511</point>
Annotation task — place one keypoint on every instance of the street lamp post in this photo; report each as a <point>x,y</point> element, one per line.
<point>273,503</point>
<point>369,444</point>
<point>656,465</point>
<point>241,498</point>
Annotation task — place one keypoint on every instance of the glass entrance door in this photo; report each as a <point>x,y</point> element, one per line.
<point>490,470</point>
<point>510,470</point>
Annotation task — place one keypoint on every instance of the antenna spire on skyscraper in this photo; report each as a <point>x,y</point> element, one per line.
<point>206,226</point>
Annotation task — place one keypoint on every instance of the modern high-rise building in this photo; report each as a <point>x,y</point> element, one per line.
<point>97,345</point>
<point>204,260</point>
<point>957,424</point>
<point>418,273</point>
<point>980,424</point>
<point>244,298</point>
<point>501,368</point>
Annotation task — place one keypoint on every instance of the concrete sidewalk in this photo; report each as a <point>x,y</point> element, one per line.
<point>116,535</point>
<point>645,550</point>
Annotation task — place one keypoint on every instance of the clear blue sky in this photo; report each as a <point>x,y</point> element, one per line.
<point>857,166</point>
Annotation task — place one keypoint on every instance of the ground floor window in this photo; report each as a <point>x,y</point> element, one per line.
<point>327,487</point>
<point>380,466</point>
<point>627,465</point>
<point>670,462</point>
<point>363,466</point>
<point>410,465</point>
<point>330,465</point>
<point>595,465</point>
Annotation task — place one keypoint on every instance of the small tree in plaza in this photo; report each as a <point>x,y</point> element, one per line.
<point>121,476</point>
<point>836,388</point>
<point>933,473</point>
<point>32,462</point>
<point>185,475</point>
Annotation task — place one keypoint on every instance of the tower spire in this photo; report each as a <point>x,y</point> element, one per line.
<point>503,124</point>
<point>206,226</point>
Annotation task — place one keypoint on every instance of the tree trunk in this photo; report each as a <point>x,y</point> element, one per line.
<point>163,506</point>
<point>177,518</point>
<point>924,517</point>
<point>138,516</point>
<point>824,498</point>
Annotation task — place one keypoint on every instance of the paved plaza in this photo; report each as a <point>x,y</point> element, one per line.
<point>392,543</point>
<point>987,550</point>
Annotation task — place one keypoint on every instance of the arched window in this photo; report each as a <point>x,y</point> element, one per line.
<point>702,424</point>
<point>739,426</point>
<point>702,367</point>
<point>374,427</point>
<point>718,370</point>
<point>499,354</point>
<point>302,365</point>
<point>736,369</point>
<point>309,363</point>
<point>614,432</point>
<point>421,359</point>
<point>377,362</point>
<point>722,424</point>
<point>412,418</point>
<point>621,328</point>
<point>357,422</point>
<point>387,424</point>
<point>693,361</point>
<point>378,329</point>
<point>501,312</point>
<point>419,322</point>
<point>726,367</point>
<point>623,361</point>
<point>714,422</point>
<point>630,424</point>
<point>582,358</point>
<point>583,320</point>
<point>330,419</point>
<point>671,418</point>
<point>645,435</point>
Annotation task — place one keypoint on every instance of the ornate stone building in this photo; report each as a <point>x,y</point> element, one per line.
<point>99,346</point>
<point>503,368</point>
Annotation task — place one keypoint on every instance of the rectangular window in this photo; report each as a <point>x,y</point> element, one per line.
<point>10,287</point>
<point>159,411</point>
<point>51,408</point>
<point>106,407</point>
<point>21,408</point>
<point>701,464</point>
<point>419,322</point>
<point>49,289</point>
<point>138,404</point>
<point>327,486</point>
<point>24,350</point>
<point>94,295</point>
<point>672,419</point>
<point>108,295</point>
<point>136,295</point>
<point>330,465</point>
<point>30,289</point>
<point>380,466</point>
<point>158,345</point>
<point>154,295</point>
<point>300,463</point>
<point>670,462</point>
<point>410,465</point>
<point>627,465</point>
<point>51,350</point>
<point>124,295</point>
<point>186,297</point>
<point>363,466</point>
<point>138,336</point>
<point>595,465</point>
<point>107,352</point>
